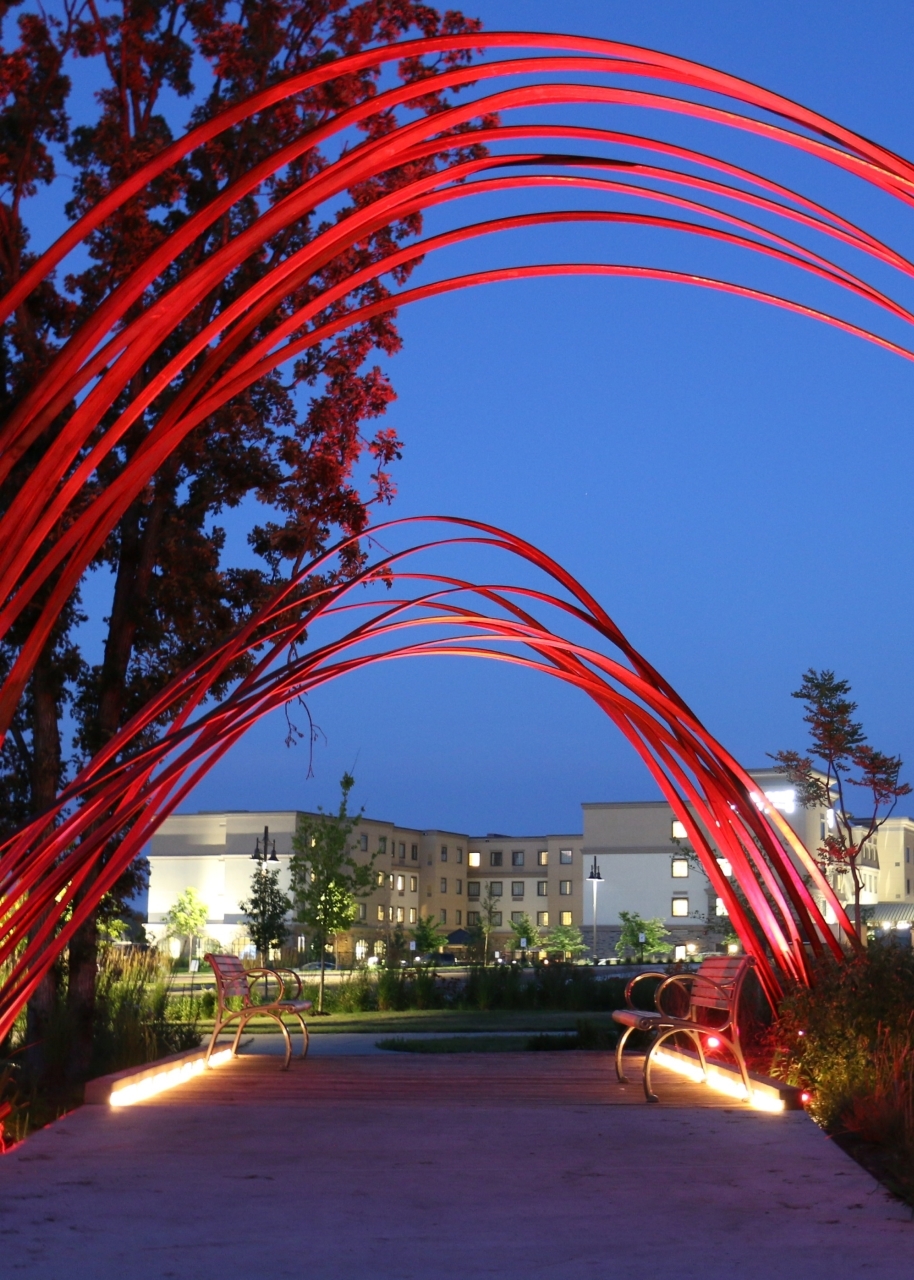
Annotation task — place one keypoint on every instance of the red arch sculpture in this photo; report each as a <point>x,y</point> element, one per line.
<point>94,369</point>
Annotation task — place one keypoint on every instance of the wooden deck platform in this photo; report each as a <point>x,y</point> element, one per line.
<point>569,1078</point>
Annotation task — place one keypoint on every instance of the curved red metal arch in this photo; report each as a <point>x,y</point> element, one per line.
<point>707,789</point>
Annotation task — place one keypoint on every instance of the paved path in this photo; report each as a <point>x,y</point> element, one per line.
<point>531,1166</point>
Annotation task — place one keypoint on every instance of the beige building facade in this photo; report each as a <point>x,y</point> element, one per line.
<point>638,849</point>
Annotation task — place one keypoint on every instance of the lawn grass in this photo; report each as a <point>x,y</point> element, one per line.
<point>494,1021</point>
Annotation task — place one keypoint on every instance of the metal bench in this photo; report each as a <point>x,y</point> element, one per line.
<point>233,980</point>
<point>714,989</point>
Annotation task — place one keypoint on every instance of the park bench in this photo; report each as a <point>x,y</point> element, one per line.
<point>233,980</point>
<point>709,1000</point>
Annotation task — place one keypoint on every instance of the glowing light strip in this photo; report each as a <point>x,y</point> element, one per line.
<point>158,1082</point>
<point>721,1080</point>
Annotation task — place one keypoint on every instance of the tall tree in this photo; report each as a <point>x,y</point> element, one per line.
<point>266,911</point>
<point>326,875</point>
<point>840,756</point>
<point>292,442</point>
<point>187,917</point>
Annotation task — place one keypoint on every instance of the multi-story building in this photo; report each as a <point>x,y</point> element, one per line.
<point>638,848</point>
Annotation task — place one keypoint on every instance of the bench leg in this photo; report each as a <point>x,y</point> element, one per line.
<point>305,1037</point>
<point>620,1074</point>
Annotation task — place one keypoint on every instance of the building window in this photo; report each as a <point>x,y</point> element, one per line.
<point>907,887</point>
<point>444,853</point>
<point>390,881</point>
<point>443,885</point>
<point>458,916</point>
<point>517,888</point>
<point>412,915</point>
<point>401,884</point>
<point>495,858</point>
<point>414,852</point>
<point>363,911</point>
<point>363,842</point>
<point>458,887</point>
<point>496,919</point>
<point>516,917</point>
<point>680,868</point>
<point>443,915</point>
<point>413,883</point>
<point>402,852</point>
<point>680,907</point>
<point>517,858</point>
<point>564,917</point>
<point>473,859</point>
<point>380,948</point>
<point>473,888</point>
<point>400,915</point>
<point>459,853</point>
<point>382,844</point>
<point>542,858</point>
<point>380,913</point>
<point>495,888</point>
<point>542,918</point>
<point>361,949</point>
<point>390,914</point>
<point>565,857</point>
<point>472,917</point>
<point>907,854</point>
<point>679,831</point>
<point>542,888</point>
<point>565,888</point>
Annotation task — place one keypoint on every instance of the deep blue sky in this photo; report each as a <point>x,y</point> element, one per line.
<point>733,483</point>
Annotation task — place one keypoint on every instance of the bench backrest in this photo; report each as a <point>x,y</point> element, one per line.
<point>718,981</point>
<point>231,976</point>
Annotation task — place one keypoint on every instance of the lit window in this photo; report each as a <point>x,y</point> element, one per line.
<point>443,885</point>
<point>495,888</point>
<point>400,915</point>
<point>380,913</point>
<point>444,853</point>
<point>363,911</point>
<point>361,949</point>
<point>443,916</point>
<point>473,888</point>
<point>517,888</point>
<point>564,917</point>
<point>517,858</point>
<point>457,917</point>
<point>401,884</point>
<point>680,906</point>
<point>542,917</point>
<point>382,844</point>
<point>380,948</point>
<point>496,919</point>
<point>495,858</point>
<point>414,853</point>
<point>472,917</point>
<point>680,868</point>
<point>785,800</point>
<point>542,888</point>
<point>565,888</point>
<point>542,858</point>
<point>381,878</point>
<point>473,859</point>
<point>412,915</point>
<point>390,913</point>
<point>725,867</point>
<point>363,842</point>
<point>516,917</point>
<point>459,854</point>
<point>390,881</point>
<point>413,883</point>
<point>719,908</point>
<point>565,856</point>
<point>458,886</point>
<point>679,831</point>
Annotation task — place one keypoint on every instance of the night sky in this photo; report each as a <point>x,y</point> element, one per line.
<point>733,483</point>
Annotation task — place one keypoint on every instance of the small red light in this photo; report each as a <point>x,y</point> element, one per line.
<point>801,1033</point>
<point>713,1042</point>
<point>805,1097</point>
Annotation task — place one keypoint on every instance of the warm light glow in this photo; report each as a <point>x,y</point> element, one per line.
<point>473,859</point>
<point>679,831</point>
<point>721,1081</point>
<point>691,948</point>
<point>805,1097</point>
<point>732,948</point>
<point>167,1078</point>
<point>713,1042</point>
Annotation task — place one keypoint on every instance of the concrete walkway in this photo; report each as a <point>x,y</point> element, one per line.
<point>503,1165</point>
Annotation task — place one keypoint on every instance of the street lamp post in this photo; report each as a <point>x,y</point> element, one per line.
<point>266,854</point>
<point>595,879</point>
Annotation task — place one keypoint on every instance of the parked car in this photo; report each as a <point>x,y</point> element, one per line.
<point>441,959</point>
<point>329,963</point>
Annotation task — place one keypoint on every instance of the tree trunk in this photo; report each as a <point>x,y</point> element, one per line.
<point>320,989</point>
<point>43,1007</point>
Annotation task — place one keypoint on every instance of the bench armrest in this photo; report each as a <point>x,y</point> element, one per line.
<point>253,974</point>
<point>631,985</point>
